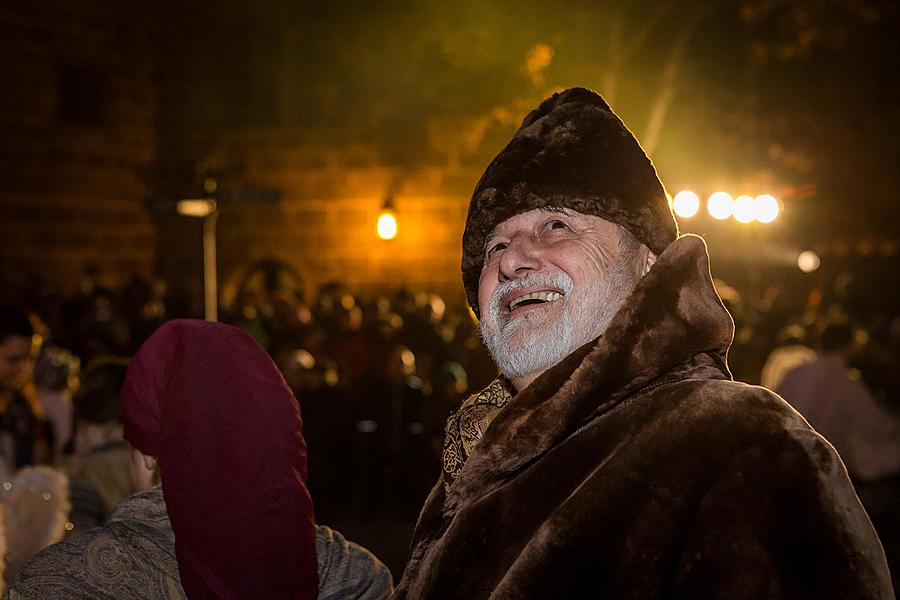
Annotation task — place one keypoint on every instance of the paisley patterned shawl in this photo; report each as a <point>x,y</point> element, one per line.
<point>132,557</point>
<point>468,424</point>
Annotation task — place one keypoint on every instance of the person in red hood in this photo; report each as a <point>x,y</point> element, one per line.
<point>209,415</point>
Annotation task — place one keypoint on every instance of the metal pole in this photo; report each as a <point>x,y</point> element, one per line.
<point>210,285</point>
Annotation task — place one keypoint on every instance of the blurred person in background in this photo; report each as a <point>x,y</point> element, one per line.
<point>33,499</point>
<point>328,425</point>
<point>56,373</point>
<point>99,469</point>
<point>408,395</point>
<point>450,386</point>
<point>840,407</point>
<point>22,430</point>
<point>790,352</point>
<point>838,404</point>
<point>144,308</point>
<point>212,421</point>
<point>34,505</point>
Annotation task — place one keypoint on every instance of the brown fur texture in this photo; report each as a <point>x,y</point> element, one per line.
<point>636,468</point>
<point>572,152</point>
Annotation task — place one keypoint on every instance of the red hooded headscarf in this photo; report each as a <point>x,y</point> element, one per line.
<point>209,403</point>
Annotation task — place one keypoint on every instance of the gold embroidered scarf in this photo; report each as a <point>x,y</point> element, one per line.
<point>468,424</point>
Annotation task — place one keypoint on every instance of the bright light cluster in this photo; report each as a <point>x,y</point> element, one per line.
<point>721,206</point>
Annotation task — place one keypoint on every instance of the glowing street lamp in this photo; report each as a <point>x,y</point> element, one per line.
<point>686,204</point>
<point>766,208</point>
<point>387,221</point>
<point>196,207</point>
<point>720,205</point>
<point>744,209</point>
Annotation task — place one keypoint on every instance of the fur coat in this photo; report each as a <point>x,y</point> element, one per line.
<point>636,468</point>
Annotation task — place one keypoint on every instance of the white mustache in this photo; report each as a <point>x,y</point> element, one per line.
<point>560,281</point>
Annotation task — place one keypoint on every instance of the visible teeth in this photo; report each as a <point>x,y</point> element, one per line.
<point>542,296</point>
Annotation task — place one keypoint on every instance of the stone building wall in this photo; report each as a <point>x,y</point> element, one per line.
<point>110,112</point>
<point>245,99</point>
<point>332,238</point>
<point>77,133</point>
<point>324,221</point>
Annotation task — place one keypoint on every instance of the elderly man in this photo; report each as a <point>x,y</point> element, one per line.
<point>615,457</point>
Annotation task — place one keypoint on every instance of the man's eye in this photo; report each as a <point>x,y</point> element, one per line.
<point>557,224</point>
<point>496,248</point>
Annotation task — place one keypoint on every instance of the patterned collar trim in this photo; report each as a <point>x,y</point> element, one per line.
<point>469,423</point>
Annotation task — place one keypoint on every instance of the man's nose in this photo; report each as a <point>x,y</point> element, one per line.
<point>521,257</point>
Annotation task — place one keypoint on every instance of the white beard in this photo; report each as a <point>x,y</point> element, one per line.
<point>535,341</point>
<point>525,344</point>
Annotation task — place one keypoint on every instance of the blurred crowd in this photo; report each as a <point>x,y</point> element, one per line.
<point>377,377</point>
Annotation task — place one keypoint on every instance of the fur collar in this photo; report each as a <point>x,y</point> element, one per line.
<point>673,314</point>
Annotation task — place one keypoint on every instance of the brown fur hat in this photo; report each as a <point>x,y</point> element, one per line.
<point>571,152</point>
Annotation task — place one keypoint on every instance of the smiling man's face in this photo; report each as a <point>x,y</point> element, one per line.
<point>552,280</point>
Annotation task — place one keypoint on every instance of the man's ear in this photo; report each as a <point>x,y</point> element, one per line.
<point>149,462</point>
<point>144,470</point>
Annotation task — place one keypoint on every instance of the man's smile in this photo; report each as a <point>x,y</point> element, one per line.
<point>522,298</point>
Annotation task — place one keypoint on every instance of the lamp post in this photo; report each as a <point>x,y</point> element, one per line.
<point>205,208</point>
